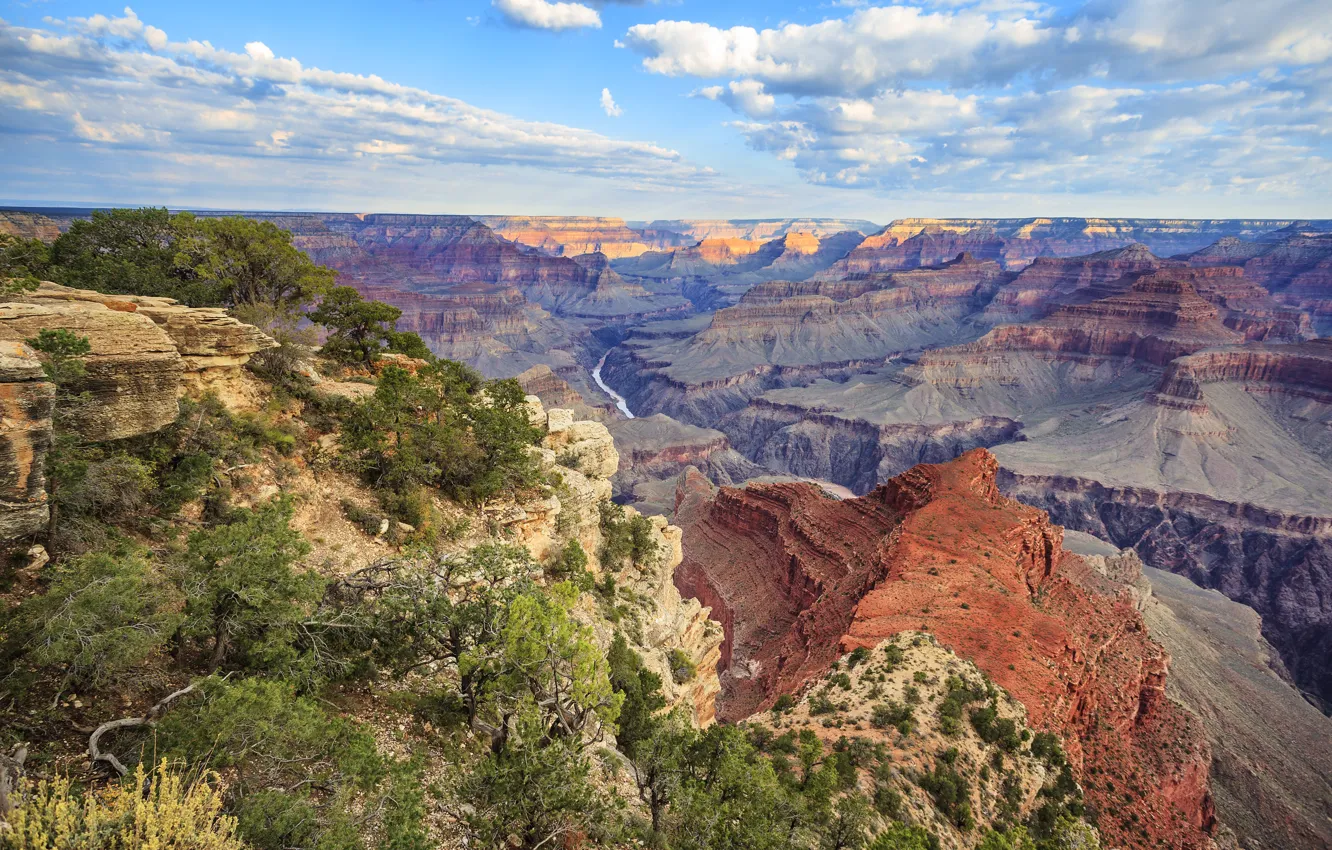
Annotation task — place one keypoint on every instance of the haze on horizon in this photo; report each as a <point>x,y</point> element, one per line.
<point>644,110</point>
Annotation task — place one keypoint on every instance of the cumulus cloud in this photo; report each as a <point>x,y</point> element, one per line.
<point>997,96</point>
<point>608,104</point>
<point>547,15</point>
<point>84,90</point>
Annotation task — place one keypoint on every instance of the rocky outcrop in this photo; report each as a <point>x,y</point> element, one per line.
<point>582,457</point>
<point>145,352</point>
<point>1278,563</point>
<point>133,372</point>
<point>797,578</point>
<point>25,436</point>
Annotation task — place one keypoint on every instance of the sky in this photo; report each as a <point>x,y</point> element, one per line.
<point>673,109</point>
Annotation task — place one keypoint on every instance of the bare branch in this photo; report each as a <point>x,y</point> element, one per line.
<point>150,719</point>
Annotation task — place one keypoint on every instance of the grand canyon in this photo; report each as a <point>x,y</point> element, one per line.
<point>1089,457</point>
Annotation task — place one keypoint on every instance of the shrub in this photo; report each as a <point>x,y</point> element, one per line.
<point>682,667</point>
<point>889,714</point>
<point>625,538</point>
<point>174,814</point>
<point>100,617</point>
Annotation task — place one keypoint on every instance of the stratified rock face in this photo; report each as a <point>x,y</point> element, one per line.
<point>568,236</point>
<point>782,333</point>
<point>655,450</point>
<point>213,345</point>
<point>851,451</point>
<point>909,243</point>
<point>1278,563</point>
<point>1295,370</point>
<point>1159,318</point>
<point>797,579</point>
<point>26,225</point>
<point>1052,281</point>
<point>1294,264</point>
<point>133,371</point>
<point>25,436</point>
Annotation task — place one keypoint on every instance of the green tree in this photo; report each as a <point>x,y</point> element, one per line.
<point>62,353</point>
<point>443,427</point>
<point>137,252</point>
<point>533,793</point>
<point>254,262</point>
<point>900,836</point>
<point>22,263</point>
<point>547,659</point>
<point>641,689</point>
<point>100,617</point>
<point>242,591</point>
<point>358,330</point>
<point>295,767</point>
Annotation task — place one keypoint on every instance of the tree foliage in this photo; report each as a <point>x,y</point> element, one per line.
<point>100,617</point>
<point>244,597</point>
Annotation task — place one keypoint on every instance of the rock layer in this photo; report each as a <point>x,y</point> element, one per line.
<point>25,436</point>
<point>797,578</point>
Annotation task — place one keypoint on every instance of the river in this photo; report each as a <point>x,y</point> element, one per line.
<point>619,399</point>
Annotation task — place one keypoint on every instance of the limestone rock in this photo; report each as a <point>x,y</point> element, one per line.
<point>588,444</point>
<point>213,345</point>
<point>25,434</point>
<point>133,371</point>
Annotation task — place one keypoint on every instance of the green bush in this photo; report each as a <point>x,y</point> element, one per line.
<point>100,617</point>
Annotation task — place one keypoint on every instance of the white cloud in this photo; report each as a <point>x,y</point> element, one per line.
<point>608,104</point>
<point>996,96</point>
<point>111,84</point>
<point>547,15</point>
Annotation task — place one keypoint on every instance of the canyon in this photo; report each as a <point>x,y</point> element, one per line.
<point>973,394</point>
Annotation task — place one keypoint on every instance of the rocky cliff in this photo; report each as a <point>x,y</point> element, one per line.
<point>25,436</point>
<point>583,455</point>
<point>798,578</point>
<point>145,353</point>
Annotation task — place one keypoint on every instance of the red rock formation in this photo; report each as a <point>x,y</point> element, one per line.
<point>797,579</point>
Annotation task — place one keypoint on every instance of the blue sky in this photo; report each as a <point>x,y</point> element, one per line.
<point>1188,108</point>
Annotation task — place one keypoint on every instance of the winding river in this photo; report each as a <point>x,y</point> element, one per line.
<point>619,399</point>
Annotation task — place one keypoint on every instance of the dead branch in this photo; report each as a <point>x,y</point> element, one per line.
<point>150,719</point>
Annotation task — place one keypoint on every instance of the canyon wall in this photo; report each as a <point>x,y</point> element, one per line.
<point>1277,563</point>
